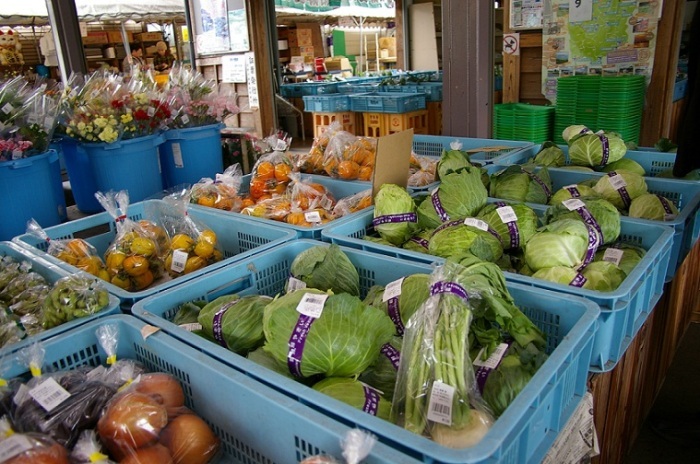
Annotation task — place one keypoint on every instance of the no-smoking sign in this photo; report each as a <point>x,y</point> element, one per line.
<point>511,43</point>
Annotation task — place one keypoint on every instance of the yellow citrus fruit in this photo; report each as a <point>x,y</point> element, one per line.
<point>135,265</point>
<point>208,236</point>
<point>203,249</point>
<point>143,246</point>
<point>182,242</point>
<point>194,263</point>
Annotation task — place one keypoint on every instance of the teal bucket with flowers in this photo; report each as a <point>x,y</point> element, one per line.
<point>29,190</point>
<point>132,165</point>
<point>82,182</point>
<point>190,154</point>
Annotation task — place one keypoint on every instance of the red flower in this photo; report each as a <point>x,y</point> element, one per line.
<point>140,114</point>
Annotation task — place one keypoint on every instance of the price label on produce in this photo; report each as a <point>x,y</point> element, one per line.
<point>49,394</point>
<point>507,214</point>
<point>440,406</point>
<point>494,359</point>
<point>179,261</point>
<point>311,304</point>
<point>478,223</point>
<point>573,204</point>
<point>617,182</point>
<point>392,290</point>
<point>14,445</point>
<point>295,284</point>
<point>613,255</point>
<point>312,216</point>
<point>7,108</point>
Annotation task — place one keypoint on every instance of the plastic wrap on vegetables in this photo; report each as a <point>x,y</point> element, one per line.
<point>460,194</point>
<point>324,268</point>
<point>193,245</point>
<point>357,445</point>
<point>270,175</point>
<point>29,448</point>
<point>357,394</point>
<point>312,162</point>
<point>73,297</point>
<point>311,203</point>
<point>421,170</point>
<point>22,281</point>
<point>220,192</point>
<point>353,203</point>
<point>88,450</point>
<point>74,251</point>
<point>395,218</point>
<point>134,258</point>
<point>9,269</point>
<point>349,157</point>
<point>436,391</point>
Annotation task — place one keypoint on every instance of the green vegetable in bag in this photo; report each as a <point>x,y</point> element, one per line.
<point>73,297</point>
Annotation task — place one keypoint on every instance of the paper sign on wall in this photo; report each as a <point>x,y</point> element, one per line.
<point>233,68</point>
<point>511,44</point>
<point>253,99</point>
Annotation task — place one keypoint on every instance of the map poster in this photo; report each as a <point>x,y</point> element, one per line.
<point>619,39</point>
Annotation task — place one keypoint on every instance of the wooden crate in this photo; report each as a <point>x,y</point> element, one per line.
<point>374,124</point>
<point>323,120</point>
<point>434,118</point>
<point>416,120</point>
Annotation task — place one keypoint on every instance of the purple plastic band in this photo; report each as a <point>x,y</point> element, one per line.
<point>539,181</point>
<point>391,218</point>
<point>606,149</point>
<point>296,344</point>
<point>438,207</point>
<point>420,241</point>
<point>626,199</point>
<point>574,192</point>
<point>392,353</point>
<point>512,229</point>
<point>217,325</point>
<point>446,225</point>
<point>579,281</point>
<point>449,287</point>
<point>395,315</point>
<point>593,243</point>
<point>664,203</point>
<point>494,233</point>
<point>371,400</point>
<point>481,373</point>
<point>590,220</point>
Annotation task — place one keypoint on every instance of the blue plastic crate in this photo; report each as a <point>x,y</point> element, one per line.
<point>326,103</point>
<point>308,88</point>
<point>283,430</point>
<point>483,151</point>
<point>387,102</point>
<point>339,189</point>
<point>623,311</point>
<point>51,273</point>
<point>653,161</point>
<point>359,87</point>
<point>432,90</point>
<point>522,434</point>
<point>238,237</point>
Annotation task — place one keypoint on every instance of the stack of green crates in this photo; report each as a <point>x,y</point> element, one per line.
<point>521,121</point>
<point>610,103</point>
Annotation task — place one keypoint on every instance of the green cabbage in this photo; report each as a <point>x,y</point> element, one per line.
<point>604,213</point>
<point>524,227</point>
<point>419,242</point>
<point>635,185</point>
<point>452,161</point>
<point>561,243</point>
<point>382,373</point>
<point>653,207</point>
<point>356,394</point>
<point>625,164</point>
<point>577,168</point>
<point>343,341</point>
<point>457,237</point>
<point>567,193</point>
<point>563,275</point>
<point>624,255</point>
<point>550,155</point>
<point>574,131</point>
<point>379,240</point>
<point>522,183</point>
<point>265,359</point>
<point>394,204</point>
<point>460,194</point>
<point>326,268</point>
<point>587,149</point>
<point>415,290</point>
<point>235,322</point>
<point>603,276</point>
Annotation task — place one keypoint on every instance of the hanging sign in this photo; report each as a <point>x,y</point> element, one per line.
<point>511,44</point>
<point>253,99</point>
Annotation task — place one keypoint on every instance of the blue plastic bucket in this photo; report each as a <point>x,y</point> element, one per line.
<point>188,155</point>
<point>132,165</point>
<point>28,190</point>
<point>82,182</point>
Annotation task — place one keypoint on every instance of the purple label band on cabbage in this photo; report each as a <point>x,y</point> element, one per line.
<point>217,325</point>
<point>594,241</point>
<point>395,218</point>
<point>579,281</point>
<point>574,192</point>
<point>395,315</point>
<point>626,199</point>
<point>452,288</point>
<point>296,344</point>
<point>392,354</point>
<point>665,204</point>
<point>438,207</point>
<point>606,149</point>
<point>539,181</point>
<point>589,220</point>
<point>372,399</point>
<point>420,241</point>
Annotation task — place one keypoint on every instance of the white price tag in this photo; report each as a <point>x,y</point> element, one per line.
<point>507,214</point>
<point>14,445</point>
<point>580,10</point>
<point>617,182</point>
<point>295,284</point>
<point>7,108</point>
<point>392,290</point>
<point>456,145</point>
<point>16,154</point>
<point>177,155</point>
<point>151,111</point>
<point>312,216</point>
<point>440,406</point>
<point>434,191</point>
<point>326,203</point>
<point>573,204</point>
<point>613,255</point>
<point>191,327</point>
<point>49,394</point>
<point>179,261</point>
<point>492,361</point>
<point>311,304</point>
<point>32,118</point>
<point>185,119</point>
<point>478,223</point>
<point>281,145</point>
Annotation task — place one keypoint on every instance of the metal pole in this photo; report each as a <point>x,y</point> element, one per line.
<point>65,29</point>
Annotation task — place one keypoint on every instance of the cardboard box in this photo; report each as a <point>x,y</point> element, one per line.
<point>338,63</point>
<point>96,39</point>
<point>149,36</point>
<point>302,51</point>
<point>292,38</point>
<point>116,36</point>
<point>305,38</point>
<point>392,160</point>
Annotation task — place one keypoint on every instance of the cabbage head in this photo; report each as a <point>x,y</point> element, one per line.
<point>378,240</point>
<point>382,373</point>
<point>577,168</point>
<point>563,275</point>
<point>550,155</point>
<point>668,174</point>
<point>574,131</point>
<point>415,289</point>
<point>394,214</point>
<point>522,183</point>
<point>235,322</point>
<point>625,164</point>
<point>519,231</point>
<point>603,276</point>
<point>572,191</point>
<point>459,195</point>
<point>625,256</point>
<point>604,213</point>
<point>419,242</point>
<point>633,186</point>
<point>452,161</point>
<point>357,395</point>
<point>326,268</point>
<point>343,341</point>
<point>457,238</point>
<point>587,149</point>
<point>561,243</point>
<point>653,207</point>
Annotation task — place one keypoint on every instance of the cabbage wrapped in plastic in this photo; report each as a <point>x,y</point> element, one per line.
<point>472,235</point>
<point>596,150</point>
<point>326,268</point>
<point>596,212</point>
<point>515,223</point>
<point>572,191</point>
<point>620,188</point>
<point>357,394</point>
<point>567,242</point>
<point>460,194</point>
<point>522,183</point>
<point>395,218</point>
<point>653,207</point>
<point>550,155</point>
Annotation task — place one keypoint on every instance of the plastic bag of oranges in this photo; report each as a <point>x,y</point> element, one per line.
<point>221,192</point>
<point>311,203</point>
<point>74,251</point>
<point>421,170</point>
<point>276,207</point>
<point>349,157</point>
<point>134,258</point>
<point>270,175</point>
<point>312,162</point>
<point>353,203</point>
